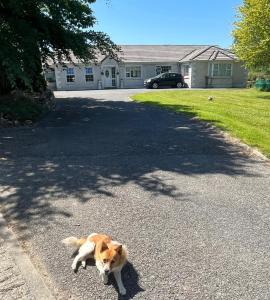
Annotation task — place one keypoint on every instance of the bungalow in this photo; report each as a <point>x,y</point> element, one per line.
<point>201,66</point>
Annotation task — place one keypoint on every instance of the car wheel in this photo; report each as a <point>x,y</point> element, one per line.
<point>155,85</point>
<point>179,85</point>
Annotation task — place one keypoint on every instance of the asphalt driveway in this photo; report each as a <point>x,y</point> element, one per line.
<point>193,211</point>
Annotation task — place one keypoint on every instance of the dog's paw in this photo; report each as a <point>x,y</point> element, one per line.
<point>74,267</point>
<point>123,291</point>
<point>105,279</point>
<point>84,264</point>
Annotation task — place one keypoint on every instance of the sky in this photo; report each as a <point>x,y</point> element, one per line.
<point>171,22</point>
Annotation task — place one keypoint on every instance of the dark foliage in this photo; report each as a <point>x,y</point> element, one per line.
<point>33,31</point>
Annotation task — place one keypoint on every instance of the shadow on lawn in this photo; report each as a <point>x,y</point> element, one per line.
<point>265,97</point>
<point>87,147</point>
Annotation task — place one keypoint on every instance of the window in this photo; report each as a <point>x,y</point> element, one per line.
<point>89,74</point>
<point>70,75</point>
<point>186,70</point>
<point>50,75</point>
<point>163,69</point>
<point>133,72</point>
<point>221,69</point>
<point>174,75</point>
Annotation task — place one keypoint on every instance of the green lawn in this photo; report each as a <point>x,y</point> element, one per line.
<point>244,113</point>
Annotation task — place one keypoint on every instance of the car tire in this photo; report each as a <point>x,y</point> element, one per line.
<point>155,85</point>
<point>179,85</point>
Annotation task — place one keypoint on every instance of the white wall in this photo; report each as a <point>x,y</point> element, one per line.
<point>187,78</point>
<point>148,70</point>
<point>196,79</point>
<point>80,83</point>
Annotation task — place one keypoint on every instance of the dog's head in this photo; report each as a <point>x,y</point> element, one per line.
<point>108,257</point>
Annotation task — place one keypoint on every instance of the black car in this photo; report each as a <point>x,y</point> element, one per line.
<point>165,79</point>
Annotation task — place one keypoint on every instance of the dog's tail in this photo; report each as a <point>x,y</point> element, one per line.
<point>74,242</point>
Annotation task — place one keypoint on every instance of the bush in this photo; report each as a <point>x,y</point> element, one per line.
<point>263,85</point>
<point>21,107</point>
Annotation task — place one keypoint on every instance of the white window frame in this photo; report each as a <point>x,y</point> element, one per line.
<point>162,69</point>
<point>215,69</point>
<point>128,70</point>
<point>86,69</point>
<point>70,72</point>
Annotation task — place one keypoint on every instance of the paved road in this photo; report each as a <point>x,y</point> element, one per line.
<point>193,211</point>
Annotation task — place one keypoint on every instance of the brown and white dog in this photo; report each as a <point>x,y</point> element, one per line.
<point>110,256</point>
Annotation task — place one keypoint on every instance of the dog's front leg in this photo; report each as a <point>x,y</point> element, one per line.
<point>118,278</point>
<point>85,250</point>
<point>105,278</point>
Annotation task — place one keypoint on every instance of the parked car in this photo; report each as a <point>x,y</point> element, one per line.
<point>165,79</point>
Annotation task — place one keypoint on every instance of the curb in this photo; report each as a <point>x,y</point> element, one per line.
<point>35,283</point>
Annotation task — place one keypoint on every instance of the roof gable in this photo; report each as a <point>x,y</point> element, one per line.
<point>209,53</point>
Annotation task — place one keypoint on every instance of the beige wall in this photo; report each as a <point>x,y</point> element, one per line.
<point>221,82</point>
<point>240,74</point>
<point>199,71</point>
<point>198,74</point>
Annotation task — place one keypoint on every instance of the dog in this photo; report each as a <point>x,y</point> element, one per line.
<point>110,256</point>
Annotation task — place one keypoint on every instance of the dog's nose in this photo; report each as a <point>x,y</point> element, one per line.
<point>107,272</point>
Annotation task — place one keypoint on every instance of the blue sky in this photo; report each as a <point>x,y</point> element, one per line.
<point>167,22</point>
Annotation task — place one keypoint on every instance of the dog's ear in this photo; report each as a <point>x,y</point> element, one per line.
<point>119,249</point>
<point>103,247</point>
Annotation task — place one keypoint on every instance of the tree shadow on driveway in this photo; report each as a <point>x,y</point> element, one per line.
<point>87,151</point>
<point>86,146</point>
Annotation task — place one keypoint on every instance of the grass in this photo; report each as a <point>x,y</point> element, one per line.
<point>244,113</point>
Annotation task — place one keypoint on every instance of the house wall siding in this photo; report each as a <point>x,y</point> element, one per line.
<point>199,71</point>
<point>148,70</point>
<point>240,74</point>
<point>80,83</point>
<point>187,79</point>
<point>196,79</point>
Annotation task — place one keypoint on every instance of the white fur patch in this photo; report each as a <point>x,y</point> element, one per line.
<point>92,234</point>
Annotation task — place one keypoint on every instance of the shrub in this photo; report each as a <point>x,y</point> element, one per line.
<point>21,107</point>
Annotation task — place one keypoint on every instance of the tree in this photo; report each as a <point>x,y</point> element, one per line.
<point>33,31</point>
<point>252,34</point>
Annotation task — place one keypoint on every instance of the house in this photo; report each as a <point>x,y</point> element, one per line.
<point>201,66</point>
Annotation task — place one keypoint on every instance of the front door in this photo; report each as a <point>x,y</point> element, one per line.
<point>109,77</point>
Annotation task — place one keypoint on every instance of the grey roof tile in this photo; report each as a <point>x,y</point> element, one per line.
<point>210,53</point>
<point>168,53</point>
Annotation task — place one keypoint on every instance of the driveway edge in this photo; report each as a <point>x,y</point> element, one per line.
<point>247,149</point>
<point>34,281</point>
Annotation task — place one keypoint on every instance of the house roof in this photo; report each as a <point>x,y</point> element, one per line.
<point>156,53</point>
<point>168,53</point>
<point>209,53</point>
